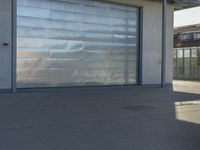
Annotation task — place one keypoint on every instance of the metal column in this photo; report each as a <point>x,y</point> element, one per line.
<point>14,53</point>
<point>163,66</point>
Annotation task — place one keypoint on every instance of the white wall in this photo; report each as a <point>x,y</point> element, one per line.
<point>152,33</point>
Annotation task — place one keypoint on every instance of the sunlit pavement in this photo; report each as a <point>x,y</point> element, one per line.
<point>187,86</point>
<point>112,118</point>
<point>188,110</point>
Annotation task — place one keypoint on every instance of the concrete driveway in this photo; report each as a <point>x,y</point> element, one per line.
<point>112,118</point>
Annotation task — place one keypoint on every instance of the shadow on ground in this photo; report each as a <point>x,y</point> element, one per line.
<point>117,118</point>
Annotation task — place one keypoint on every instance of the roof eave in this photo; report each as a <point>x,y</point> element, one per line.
<point>185,4</point>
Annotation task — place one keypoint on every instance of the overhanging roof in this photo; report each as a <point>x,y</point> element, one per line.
<point>187,29</point>
<point>184,4</point>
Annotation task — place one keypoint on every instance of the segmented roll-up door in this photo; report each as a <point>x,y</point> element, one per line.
<point>75,43</point>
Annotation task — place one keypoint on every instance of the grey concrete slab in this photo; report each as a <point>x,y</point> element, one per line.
<point>117,118</point>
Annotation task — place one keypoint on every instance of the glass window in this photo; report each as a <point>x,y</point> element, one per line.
<point>194,52</point>
<point>180,53</point>
<point>197,36</point>
<point>186,53</point>
<point>185,37</point>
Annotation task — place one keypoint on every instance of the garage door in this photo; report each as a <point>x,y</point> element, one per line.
<point>75,43</point>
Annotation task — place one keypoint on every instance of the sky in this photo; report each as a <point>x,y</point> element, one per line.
<point>187,17</point>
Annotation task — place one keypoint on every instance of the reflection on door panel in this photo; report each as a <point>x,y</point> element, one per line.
<point>75,43</point>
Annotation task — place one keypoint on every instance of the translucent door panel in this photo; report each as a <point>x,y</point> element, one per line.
<point>75,43</point>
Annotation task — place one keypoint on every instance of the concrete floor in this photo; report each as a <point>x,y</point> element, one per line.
<point>117,118</point>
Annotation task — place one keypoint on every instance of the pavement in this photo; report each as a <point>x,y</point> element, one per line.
<point>187,86</point>
<point>103,118</point>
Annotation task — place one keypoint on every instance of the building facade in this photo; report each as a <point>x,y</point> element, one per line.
<point>53,43</point>
<point>187,52</point>
<point>187,36</point>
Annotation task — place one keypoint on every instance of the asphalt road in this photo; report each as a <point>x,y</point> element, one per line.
<point>113,118</point>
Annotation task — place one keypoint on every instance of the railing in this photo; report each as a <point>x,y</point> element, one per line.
<point>187,63</point>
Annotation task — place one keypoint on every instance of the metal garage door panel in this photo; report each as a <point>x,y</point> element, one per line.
<point>75,43</point>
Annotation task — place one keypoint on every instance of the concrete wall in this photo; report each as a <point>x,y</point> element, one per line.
<point>152,33</point>
<point>5,37</point>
